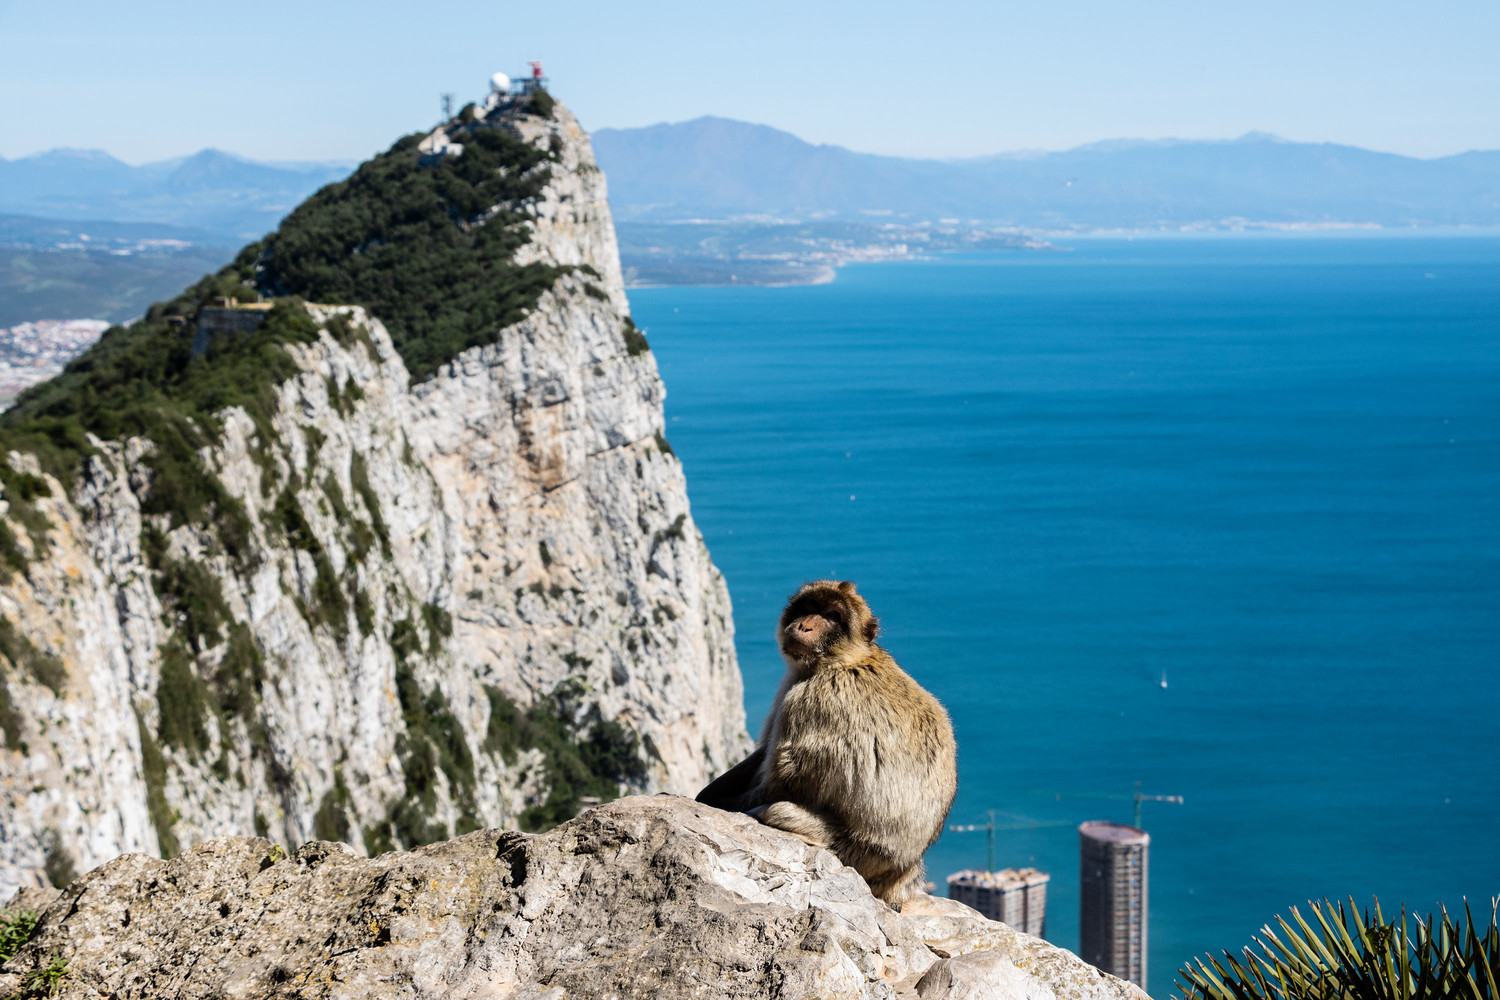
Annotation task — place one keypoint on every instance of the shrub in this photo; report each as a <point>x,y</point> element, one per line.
<point>21,489</point>
<point>10,719</point>
<point>16,928</point>
<point>1349,956</point>
<point>44,981</point>
<point>329,605</point>
<point>189,592</point>
<point>359,478</point>
<point>181,701</point>
<point>241,671</point>
<point>21,653</point>
<point>635,340</point>
<point>434,741</point>
<point>332,819</point>
<point>154,770</point>
<point>11,556</point>
<point>542,103</point>
<point>418,245</point>
<point>595,762</point>
<point>58,863</point>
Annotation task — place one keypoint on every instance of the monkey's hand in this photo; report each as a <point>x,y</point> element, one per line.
<point>737,788</point>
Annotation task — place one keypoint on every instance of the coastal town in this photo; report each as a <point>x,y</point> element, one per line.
<point>34,352</point>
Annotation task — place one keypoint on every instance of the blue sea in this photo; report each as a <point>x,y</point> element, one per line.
<point>1219,516</point>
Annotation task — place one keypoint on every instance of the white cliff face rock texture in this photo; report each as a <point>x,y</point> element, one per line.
<point>648,897</point>
<point>425,564</point>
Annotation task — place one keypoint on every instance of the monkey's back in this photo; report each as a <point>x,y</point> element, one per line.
<point>864,743</point>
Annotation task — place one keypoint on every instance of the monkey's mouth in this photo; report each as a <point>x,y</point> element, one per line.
<point>807,636</point>
<point>798,648</point>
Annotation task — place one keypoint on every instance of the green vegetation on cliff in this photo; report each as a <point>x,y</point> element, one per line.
<point>143,381</point>
<point>595,761</point>
<point>423,246</point>
<point>427,246</point>
<point>18,653</point>
<point>542,103</point>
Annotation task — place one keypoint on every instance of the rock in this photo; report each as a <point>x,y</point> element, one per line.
<point>34,897</point>
<point>652,897</point>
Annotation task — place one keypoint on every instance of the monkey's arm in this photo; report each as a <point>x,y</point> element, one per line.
<point>735,789</point>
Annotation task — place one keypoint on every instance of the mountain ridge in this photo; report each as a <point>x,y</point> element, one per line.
<point>716,167</point>
<point>234,197</point>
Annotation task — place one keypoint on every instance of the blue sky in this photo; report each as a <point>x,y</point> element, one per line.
<point>274,79</point>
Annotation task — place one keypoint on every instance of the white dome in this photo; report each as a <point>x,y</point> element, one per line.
<point>500,83</point>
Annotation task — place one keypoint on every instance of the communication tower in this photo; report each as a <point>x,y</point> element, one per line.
<point>503,86</point>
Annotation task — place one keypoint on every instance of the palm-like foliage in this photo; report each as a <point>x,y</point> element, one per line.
<point>1346,955</point>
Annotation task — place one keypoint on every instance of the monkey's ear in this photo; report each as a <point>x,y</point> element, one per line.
<point>846,587</point>
<point>872,627</point>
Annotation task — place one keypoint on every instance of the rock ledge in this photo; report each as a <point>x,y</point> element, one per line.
<point>652,897</point>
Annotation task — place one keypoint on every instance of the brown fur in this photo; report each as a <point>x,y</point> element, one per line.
<point>854,756</point>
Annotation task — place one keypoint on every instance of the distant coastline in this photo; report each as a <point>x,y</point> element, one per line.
<point>770,253</point>
<point>733,263</point>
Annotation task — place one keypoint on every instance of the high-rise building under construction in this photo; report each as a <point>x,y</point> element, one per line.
<point>1112,870</point>
<point>1016,896</point>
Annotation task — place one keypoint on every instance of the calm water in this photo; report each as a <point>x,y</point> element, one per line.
<point>1266,470</point>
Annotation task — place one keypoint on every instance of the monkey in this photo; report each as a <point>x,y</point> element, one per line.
<point>854,755</point>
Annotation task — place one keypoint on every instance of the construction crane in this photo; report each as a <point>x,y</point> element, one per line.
<point>990,828</point>
<point>1137,798</point>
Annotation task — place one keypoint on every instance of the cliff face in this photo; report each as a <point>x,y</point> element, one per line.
<point>438,606</point>
<point>649,897</point>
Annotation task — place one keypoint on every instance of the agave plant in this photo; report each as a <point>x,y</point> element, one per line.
<point>1354,956</point>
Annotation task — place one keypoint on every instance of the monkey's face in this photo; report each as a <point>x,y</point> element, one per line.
<point>825,618</point>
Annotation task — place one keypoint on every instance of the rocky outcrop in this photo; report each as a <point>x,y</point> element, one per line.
<point>650,897</point>
<point>440,584</point>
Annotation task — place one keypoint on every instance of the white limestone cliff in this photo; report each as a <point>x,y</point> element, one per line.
<point>526,496</point>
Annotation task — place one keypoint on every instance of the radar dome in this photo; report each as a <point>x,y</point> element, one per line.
<point>500,83</point>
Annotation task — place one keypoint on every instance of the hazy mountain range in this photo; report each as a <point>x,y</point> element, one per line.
<point>722,169</point>
<point>84,234</point>
<point>211,191</point>
<point>718,168</point>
